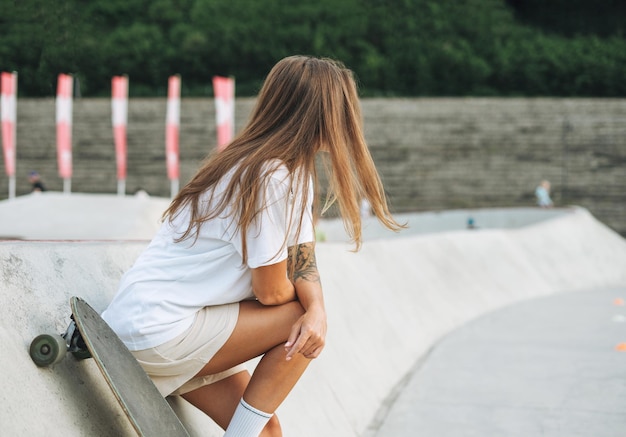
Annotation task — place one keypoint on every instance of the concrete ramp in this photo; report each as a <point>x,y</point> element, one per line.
<point>79,216</point>
<point>387,305</point>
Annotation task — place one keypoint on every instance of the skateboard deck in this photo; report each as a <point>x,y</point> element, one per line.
<point>148,411</point>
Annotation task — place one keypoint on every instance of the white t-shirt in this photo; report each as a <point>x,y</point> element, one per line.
<point>160,295</point>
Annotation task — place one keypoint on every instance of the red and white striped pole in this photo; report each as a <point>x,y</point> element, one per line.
<point>64,129</point>
<point>172,129</point>
<point>224,89</point>
<point>8,108</point>
<point>119,118</point>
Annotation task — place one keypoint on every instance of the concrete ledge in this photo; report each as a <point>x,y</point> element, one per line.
<point>445,221</point>
<point>387,305</point>
<point>78,216</point>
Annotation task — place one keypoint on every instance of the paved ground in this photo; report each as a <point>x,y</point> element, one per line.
<point>546,367</point>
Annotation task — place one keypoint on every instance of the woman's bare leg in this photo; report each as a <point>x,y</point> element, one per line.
<point>273,379</point>
<point>260,330</point>
<point>220,399</point>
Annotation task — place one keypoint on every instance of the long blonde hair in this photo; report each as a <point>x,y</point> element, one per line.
<point>306,105</point>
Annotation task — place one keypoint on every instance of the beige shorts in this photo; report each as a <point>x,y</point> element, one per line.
<point>173,365</point>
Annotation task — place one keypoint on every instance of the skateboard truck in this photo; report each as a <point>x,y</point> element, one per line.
<point>75,343</point>
<point>49,349</point>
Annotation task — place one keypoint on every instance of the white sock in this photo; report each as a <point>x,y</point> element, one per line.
<point>247,421</point>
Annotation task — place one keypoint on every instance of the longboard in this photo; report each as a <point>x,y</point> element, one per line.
<point>90,336</point>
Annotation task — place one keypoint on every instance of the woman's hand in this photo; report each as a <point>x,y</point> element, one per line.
<point>308,334</point>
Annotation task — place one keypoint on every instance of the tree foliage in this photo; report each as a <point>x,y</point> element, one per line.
<point>396,47</point>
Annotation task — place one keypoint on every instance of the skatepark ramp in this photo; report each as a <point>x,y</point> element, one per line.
<point>387,305</point>
<point>59,216</point>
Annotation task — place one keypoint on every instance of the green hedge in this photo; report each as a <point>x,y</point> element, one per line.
<point>396,47</point>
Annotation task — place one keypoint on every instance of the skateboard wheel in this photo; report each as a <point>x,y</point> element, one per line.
<point>47,349</point>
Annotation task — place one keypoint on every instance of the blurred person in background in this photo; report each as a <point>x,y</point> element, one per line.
<point>35,182</point>
<point>542,193</point>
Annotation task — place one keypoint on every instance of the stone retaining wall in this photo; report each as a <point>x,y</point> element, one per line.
<point>433,154</point>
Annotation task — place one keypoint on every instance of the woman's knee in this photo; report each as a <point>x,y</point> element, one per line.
<point>287,313</point>
<point>297,309</point>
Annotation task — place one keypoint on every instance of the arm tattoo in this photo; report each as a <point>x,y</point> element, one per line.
<point>301,263</point>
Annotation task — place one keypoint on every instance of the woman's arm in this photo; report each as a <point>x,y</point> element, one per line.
<point>309,332</point>
<point>271,286</point>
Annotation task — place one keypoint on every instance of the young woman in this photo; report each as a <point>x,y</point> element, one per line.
<point>231,275</point>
